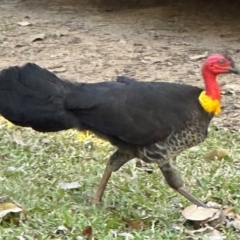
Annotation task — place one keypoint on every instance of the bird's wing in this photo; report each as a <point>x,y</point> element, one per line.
<point>137,113</point>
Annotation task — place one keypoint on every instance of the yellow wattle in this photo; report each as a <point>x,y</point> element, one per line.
<point>209,105</point>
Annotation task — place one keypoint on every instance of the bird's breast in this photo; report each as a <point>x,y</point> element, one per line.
<point>174,144</point>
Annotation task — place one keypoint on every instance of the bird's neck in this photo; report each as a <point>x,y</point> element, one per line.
<point>210,98</point>
<point>211,86</point>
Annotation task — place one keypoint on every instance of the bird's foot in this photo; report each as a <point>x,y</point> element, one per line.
<point>184,192</point>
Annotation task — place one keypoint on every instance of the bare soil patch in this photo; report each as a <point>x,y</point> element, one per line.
<point>96,40</point>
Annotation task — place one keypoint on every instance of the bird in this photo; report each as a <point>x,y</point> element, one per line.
<point>150,120</point>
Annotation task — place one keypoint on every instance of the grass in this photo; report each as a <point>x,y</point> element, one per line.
<point>30,175</point>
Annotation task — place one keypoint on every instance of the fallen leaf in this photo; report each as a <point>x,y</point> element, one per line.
<point>7,208</point>
<point>196,213</point>
<point>24,23</point>
<point>134,224</point>
<point>217,219</point>
<point>87,232</point>
<point>200,56</point>
<point>212,219</point>
<point>67,186</point>
<point>38,37</point>
<point>219,154</point>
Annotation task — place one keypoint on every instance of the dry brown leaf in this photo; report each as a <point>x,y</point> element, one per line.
<point>134,224</point>
<point>87,232</point>
<point>200,218</point>
<point>196,213</point>
<point>219,154</point>
<point>8,207</point>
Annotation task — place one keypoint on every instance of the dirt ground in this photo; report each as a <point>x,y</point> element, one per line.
<point>94,41</point>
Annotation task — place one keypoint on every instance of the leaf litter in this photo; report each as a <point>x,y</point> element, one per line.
<point>24,23</point>
<point>217,154</point>
<point>10,211</point>
<point>210,221</point>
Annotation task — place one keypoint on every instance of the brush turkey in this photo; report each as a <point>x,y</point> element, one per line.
<point>152,121</point>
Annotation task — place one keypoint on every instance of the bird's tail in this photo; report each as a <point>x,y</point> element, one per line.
<point>31,96</point>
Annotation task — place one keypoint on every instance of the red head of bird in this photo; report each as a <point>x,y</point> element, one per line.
<point>214,65</point>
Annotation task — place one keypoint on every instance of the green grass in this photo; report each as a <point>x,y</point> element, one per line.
<point>132,194</point>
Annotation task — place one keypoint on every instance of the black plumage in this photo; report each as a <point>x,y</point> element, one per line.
<point>153,121</point>
<point>34,97</point>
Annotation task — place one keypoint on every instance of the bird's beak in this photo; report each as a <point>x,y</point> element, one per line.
<point>234,69</point>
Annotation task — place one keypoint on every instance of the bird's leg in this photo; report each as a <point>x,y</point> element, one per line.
<point>174,180</point>
<point>116,160</point>
<point>103,183</point>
